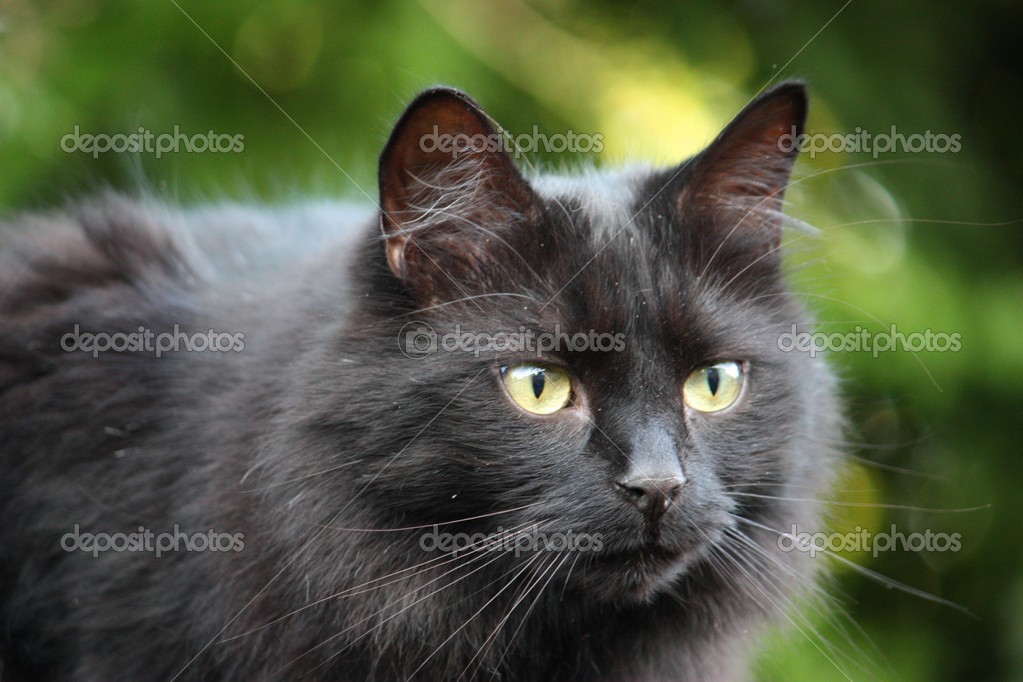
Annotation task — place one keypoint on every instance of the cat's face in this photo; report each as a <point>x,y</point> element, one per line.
<point>652,442</point>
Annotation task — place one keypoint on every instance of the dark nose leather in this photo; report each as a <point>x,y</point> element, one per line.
<point>652,496</point>
<point>653,476</point>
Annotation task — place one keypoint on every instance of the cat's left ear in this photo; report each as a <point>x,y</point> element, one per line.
<point>449,191</point>
<point>739,180</point>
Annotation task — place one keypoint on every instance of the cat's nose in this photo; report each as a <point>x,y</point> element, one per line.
<point>652,495</point>
<point>653,475</point>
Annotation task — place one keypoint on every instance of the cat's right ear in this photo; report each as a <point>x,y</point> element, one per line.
<point>447,188</point>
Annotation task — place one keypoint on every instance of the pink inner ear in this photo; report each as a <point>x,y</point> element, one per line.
<point>443,204</point>
<point>416,146</point>
<point>747,168</point>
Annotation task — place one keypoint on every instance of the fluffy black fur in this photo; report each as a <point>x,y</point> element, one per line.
<point>333,452</point>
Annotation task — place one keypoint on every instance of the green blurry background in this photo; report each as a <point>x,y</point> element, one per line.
<point>924,241</point>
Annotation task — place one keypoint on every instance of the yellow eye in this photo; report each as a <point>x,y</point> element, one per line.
<point>540,389</point>
<point>713,388</point>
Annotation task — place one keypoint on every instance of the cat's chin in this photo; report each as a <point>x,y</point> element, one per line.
<point>637,577</point>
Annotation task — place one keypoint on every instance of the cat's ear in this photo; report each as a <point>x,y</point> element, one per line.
<point>447,189</point>
<point>739,180</point>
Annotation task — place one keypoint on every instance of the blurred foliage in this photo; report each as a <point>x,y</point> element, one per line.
<point>918,240</point>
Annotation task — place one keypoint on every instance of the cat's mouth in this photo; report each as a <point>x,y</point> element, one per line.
<point>640,574</point>
<point>648,564</point>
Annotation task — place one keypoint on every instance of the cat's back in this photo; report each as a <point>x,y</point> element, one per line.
<point>52,257</point>
<point>85,292</point>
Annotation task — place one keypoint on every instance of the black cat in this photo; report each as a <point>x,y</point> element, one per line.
<point>500,428</point>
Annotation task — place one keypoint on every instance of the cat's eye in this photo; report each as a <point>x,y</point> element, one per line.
<point>714,387</point>
<point>540,389</point>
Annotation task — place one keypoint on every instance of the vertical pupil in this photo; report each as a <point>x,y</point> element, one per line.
<point>538,383</point>
<point>713,380</point>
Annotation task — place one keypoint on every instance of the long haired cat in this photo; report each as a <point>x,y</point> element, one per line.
<point>496,427</point>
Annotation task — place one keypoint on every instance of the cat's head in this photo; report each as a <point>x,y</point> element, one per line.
<point>665,416</point>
